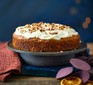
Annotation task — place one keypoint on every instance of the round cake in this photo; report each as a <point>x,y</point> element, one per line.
<point>45,37</point>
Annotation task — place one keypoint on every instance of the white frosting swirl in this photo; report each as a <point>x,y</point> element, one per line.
<point>45,32</point>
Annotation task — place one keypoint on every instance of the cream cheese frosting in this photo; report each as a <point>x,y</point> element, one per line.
<point>45,31</point>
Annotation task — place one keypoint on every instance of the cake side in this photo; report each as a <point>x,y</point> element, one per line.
<point>45,37</point>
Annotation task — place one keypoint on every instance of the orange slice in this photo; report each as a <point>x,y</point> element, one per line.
<point>71,81</point>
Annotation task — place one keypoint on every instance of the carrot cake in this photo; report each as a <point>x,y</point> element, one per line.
<point>45,37</point>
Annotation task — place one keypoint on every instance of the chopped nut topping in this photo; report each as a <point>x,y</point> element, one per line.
<point>27,26</point>
<point>22,31</point>
<point>42,30</point>
<point>44,26</point>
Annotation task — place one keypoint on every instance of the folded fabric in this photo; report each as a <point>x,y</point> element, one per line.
<point>42,71</point>
<point>9,62</point>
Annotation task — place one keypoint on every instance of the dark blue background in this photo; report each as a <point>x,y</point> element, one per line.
<point>14,13</point>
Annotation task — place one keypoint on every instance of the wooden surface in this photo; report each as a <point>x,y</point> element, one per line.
<point>90,46</point>
<point>28,80</point>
